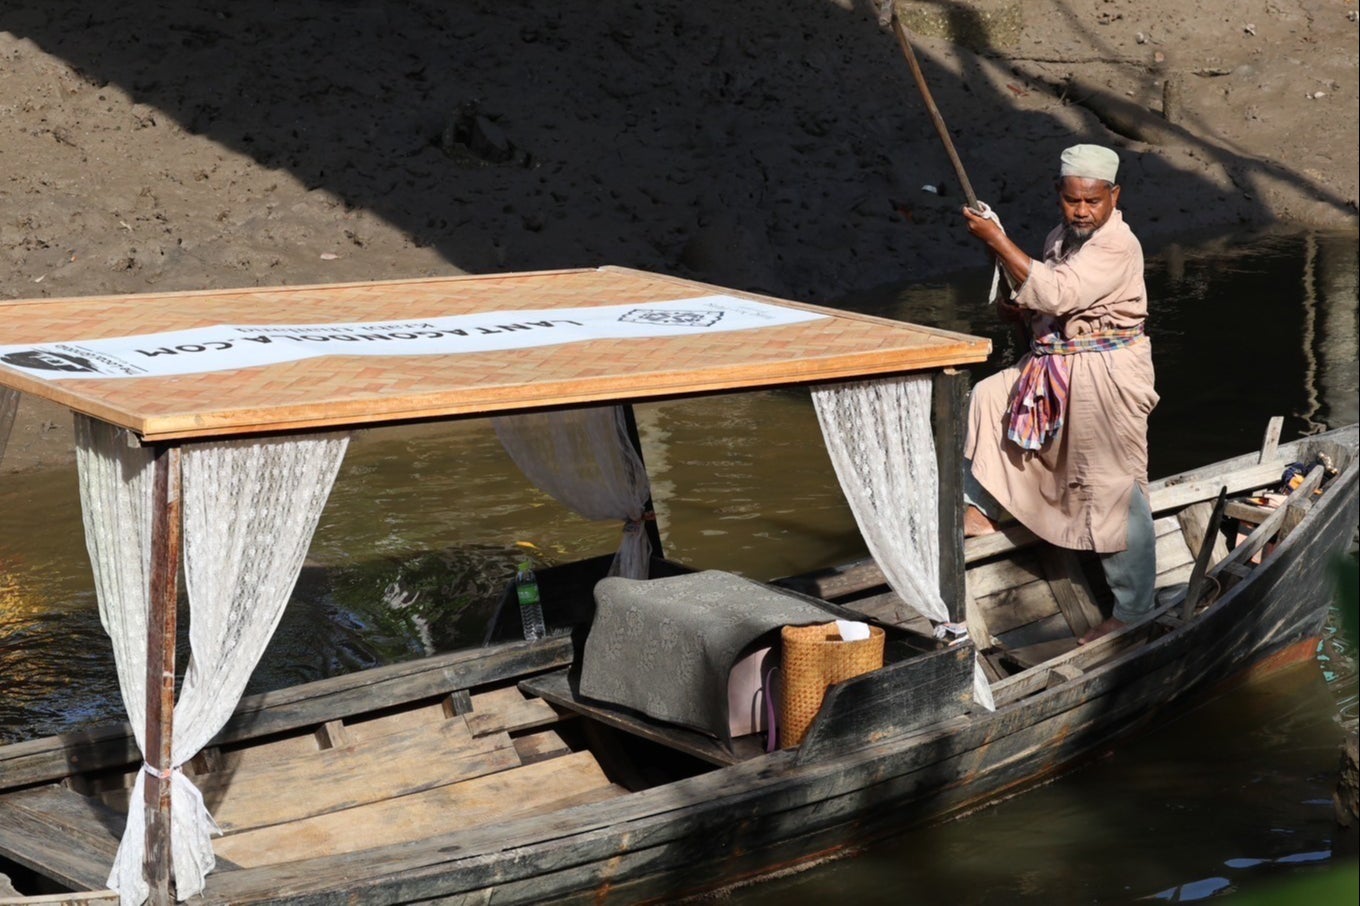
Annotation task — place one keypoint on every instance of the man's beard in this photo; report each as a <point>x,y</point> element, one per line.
<point>1073,239</point>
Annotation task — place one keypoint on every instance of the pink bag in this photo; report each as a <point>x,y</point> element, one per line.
<point>750,696</point>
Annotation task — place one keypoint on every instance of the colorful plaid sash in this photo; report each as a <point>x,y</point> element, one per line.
<point>1040,398</point>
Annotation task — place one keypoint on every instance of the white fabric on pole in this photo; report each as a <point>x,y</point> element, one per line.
<point>115,497</point>
<point>249,510</point>
<point>880,442</point>
<point>9,404</point>
<point>116,502</point>
<point>878,434</point>
<point>586,461</point>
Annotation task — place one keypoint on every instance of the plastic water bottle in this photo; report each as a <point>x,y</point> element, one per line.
<point>530,608</point>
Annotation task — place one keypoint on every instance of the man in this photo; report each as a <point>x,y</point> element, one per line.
<point>1060,440</point>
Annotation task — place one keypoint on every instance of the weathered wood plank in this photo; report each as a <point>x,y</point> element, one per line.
<point>61,835</point>
<point>1068,584</point>
<point>1194,525</point>
<point>889,609</point>
<point>1176,575</point>
<point>1249,478</point>
<point>82,898</point>
<point>1015,607</point>
<point>891,702</point>
<point>363,729</point>
<point>1048,629</point>
<point>540,746</point>
<point>950,398</point>
<point>264,753</point>
<point>418,815</point>
<point>1172,552</point>
<point>301,707</point>
<point>1270,444</point>
<point>525,714</point>
<point>981,636</point>
<point>1036,654</point>
<point>331,780</point>
<point>1000,575</point>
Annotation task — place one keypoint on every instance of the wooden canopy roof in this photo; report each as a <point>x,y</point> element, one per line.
<point>353,391</point>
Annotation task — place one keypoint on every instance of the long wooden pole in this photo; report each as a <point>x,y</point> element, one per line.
<point>160,670</point>
<point>905,41</point>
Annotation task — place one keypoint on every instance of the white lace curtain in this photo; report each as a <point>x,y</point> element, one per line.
<point>9,404</point>
<point>249,510</point>
<point>881,445</point>
<point>585,460</point>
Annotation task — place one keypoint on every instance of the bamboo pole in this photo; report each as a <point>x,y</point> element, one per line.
<point>904,39</point>
<point>160,670</point>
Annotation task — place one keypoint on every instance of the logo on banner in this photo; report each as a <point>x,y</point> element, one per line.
<point>672,317</point>
<point>46,360</point>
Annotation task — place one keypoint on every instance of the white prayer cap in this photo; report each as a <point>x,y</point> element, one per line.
<point>1091,162</point>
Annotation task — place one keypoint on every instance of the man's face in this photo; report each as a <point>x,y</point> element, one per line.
<point>1086,203</point>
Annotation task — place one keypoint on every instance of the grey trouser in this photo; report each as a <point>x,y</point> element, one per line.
<point>1130,573</point>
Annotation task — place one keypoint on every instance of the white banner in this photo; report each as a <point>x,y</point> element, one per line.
<point>222,347</point>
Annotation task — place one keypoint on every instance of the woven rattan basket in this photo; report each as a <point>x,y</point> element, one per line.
<point>813,658</point>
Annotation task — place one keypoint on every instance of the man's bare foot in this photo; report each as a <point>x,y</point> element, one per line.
<point>975,523</point>
<point>1105,627</point>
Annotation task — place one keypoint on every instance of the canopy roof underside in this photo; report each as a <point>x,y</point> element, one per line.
<point>353,391</point>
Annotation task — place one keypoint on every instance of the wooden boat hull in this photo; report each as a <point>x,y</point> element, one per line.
<point>794,806</point>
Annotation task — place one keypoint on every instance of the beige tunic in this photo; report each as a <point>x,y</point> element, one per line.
<point>1074,492</point>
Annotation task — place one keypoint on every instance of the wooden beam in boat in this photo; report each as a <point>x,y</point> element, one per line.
<point>1248,478</point>
<point>950,405</point>
<point>160,668</point>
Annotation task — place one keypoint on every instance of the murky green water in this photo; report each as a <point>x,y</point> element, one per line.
<point>1228,795</point>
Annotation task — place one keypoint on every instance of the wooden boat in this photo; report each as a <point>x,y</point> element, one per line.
<point>485,775</point>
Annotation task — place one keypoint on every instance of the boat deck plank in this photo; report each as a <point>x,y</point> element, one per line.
<point>547,785</point>
<point>540,746</point>
<point>287,789</point>
<point>383,725</point>
<point>508,710</point>
<point>62,835</point>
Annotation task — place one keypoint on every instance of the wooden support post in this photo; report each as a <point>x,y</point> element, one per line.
<point>649,526</point>
<point>1271,443</point>
<point>949,417</point>
<point>160,669</point>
